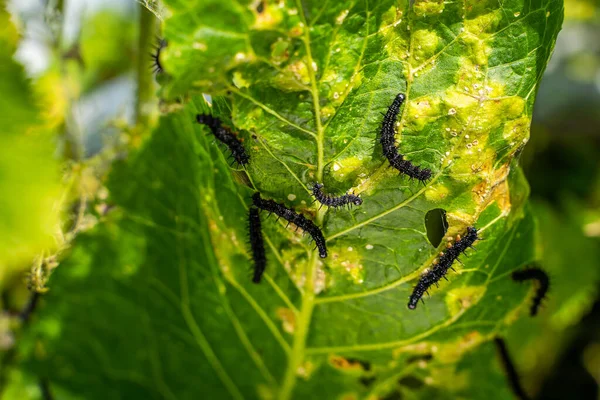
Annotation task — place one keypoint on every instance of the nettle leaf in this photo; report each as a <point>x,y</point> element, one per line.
<point>158,300</point>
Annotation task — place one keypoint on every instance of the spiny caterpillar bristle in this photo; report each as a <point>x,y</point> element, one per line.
<point>257,244</point>
<point>539,275</point>
<point>334,201</point>
<point>225,136</point>
<point>294,218</point>
<point>388,144</point>
<point>444,263</point>
<point>157,66</point>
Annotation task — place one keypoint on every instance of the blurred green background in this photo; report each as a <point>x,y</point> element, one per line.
<point>83,62</point>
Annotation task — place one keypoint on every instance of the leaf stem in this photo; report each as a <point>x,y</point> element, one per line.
<point>317,108</point>
<point>314,90</point>
<point>295,360</point>
<point>297,357</point>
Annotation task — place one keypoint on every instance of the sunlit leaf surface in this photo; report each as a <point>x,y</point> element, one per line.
<point>157,301</point>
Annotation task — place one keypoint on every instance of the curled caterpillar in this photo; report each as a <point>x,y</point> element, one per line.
<point>509,368</point>
<point>388,144</point>
<point>294,218</point>
<point>539,275</point>
<point>225,136</point>
<point>332,201</point>
<point>157,67</point>
<point>257,244</point>
<point>439,270</point>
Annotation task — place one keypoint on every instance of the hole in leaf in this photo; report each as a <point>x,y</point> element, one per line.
<point>436,225</point>
<point>411,382</point>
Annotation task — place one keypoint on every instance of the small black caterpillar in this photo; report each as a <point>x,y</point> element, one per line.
<point>511,372</point>
<point>257,244</point>
<point>30,307</point>
<point>388,144</point>
<point>388,130</point>
<point>225,136</point>
<point>444,263</point>
<point>294,218</point>
<point>157,67</point>
<point>335,202</point>
<point>539,275</point>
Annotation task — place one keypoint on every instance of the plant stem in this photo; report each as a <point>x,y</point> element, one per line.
<point>145,84</point>
<point>297,357</point>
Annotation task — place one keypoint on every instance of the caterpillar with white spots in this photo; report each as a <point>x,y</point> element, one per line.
<point>334,201</point>
<point>226,137</point>
<point>388,144</point>
<point>439,270</point>
<point>294,218</point>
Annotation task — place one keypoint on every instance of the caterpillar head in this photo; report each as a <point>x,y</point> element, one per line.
<point>208,120</point>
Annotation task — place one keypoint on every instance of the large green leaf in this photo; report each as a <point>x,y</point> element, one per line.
<point>157,301</point>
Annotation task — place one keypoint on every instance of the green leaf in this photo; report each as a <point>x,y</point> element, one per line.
<point>29,173</point>
<point>569,258</point>
<point>157,301</point>
<point>107,47</point>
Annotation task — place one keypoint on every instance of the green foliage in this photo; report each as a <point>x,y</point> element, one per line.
<point>156,301</point>
<point>29,173</point>
<point>107,47</point>
<point>570,259</point>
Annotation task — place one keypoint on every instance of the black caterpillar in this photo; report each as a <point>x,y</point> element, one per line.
<point>30,307</point>
<point>511,372</point>
<point>444,263</point>
<point>388,144</point>
<point>335,202</point>
<point>388,131</point>
<point>157,67</point>
<point>294,218</point>
<point>225,136</point>
<point>257,244</point>
<point>543,280</point>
